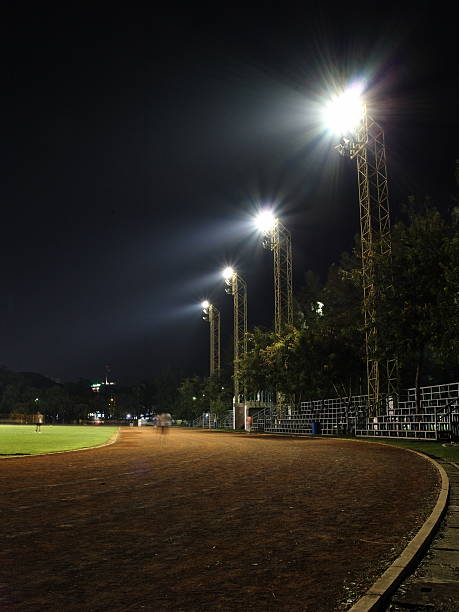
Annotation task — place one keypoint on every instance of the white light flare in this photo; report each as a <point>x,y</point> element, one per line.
<point>228,273</point>
<point>265,221</point>
<point>344,112</point>
<point>205,304</point>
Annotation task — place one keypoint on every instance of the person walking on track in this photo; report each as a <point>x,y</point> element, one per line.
<point>164,422</point>
<point>38,422</point>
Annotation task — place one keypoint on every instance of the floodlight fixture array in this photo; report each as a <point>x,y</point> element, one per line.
<point>343,113</point>
<point>265,221</point>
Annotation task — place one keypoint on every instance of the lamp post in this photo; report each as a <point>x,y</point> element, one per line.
<point>362,139</point>
<point>277,238</point>
<point>237,287</point>
<point>211,314</point>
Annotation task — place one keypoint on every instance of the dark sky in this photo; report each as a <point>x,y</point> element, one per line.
<point>138,143</point>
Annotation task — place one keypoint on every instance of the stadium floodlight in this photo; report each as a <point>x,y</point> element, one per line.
<point>228,274</point>
<point>344,112</point>
<point>205,304</point>
<point>265,221</point>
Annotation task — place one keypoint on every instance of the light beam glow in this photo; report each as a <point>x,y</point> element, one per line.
<point>344,112</point>
<point>265,221</point>
<point>205,304</point>
<point>228,273</point>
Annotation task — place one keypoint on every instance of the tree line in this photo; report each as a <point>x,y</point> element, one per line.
<point>22,394</point>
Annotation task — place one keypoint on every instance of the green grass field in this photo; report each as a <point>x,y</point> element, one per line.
<point>23,440</point>
<point>450,452</point>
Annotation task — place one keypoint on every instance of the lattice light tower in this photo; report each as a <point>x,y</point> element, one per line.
<point>362,139</point>
<point>277,238</point>
<point>211,314</point>
<point>237,287</point>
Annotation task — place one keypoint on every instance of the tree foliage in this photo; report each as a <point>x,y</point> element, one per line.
<point>420,311</point>
<point>321,353</point>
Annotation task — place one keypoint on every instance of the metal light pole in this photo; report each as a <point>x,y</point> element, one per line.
<point>211,314</point>
<point>362,139</point>
<point>237,287</point>
<point>277,238</point>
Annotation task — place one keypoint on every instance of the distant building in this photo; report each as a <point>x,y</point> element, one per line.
<point>97,387</point>
<point>107,407</point>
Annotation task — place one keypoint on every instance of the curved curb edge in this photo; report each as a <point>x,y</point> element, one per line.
<point>376,596</point>
<point>111,440</point>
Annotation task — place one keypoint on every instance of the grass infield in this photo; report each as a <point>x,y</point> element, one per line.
<point>438,450</point>
<point>24,440</point>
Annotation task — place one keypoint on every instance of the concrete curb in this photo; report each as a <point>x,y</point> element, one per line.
<point>376,596</point>
<point>111,440</point>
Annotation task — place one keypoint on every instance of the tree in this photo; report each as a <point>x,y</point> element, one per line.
<point>57,404</point>
<point>166,391</point>
<point>219,393</point>
<point>420,313</point>
<point>322,354</point>
<point>255,372</point>
<point>192,398</point>
<point>339,338</point>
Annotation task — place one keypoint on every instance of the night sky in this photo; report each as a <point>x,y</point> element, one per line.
<point>138,144</point>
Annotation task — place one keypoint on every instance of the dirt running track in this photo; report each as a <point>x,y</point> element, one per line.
<point>205,521</point>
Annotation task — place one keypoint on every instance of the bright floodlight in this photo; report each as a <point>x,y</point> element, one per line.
<point>228,273</point>
<point>344,112</point>
<point>265,221</point>
<point>205,304</point>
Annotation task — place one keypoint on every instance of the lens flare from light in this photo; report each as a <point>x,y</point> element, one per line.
<point>205,304</point>
<point>265,221</point>
<point>228,273</point>
<point>343,113</point>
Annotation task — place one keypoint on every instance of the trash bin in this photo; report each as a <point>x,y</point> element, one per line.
<point>316,428</point>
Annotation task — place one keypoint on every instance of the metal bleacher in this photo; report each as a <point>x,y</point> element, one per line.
<point>437,418</point>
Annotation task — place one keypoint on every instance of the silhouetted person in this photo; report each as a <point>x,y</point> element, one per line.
<point>164,422</point>
<point>38,422</point>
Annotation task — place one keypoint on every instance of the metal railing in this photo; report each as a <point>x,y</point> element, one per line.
<point>209,420</point>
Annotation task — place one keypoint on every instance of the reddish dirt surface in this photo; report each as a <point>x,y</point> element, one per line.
<point>206,521</point>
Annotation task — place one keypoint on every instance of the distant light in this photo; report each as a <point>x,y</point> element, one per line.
<point>320,308</point>
<point>265,221</point>
<point>343,113</point>
<point>128,416</point>
<point>228,273</point>
<point>205,304</point>
<point>194,398</point>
